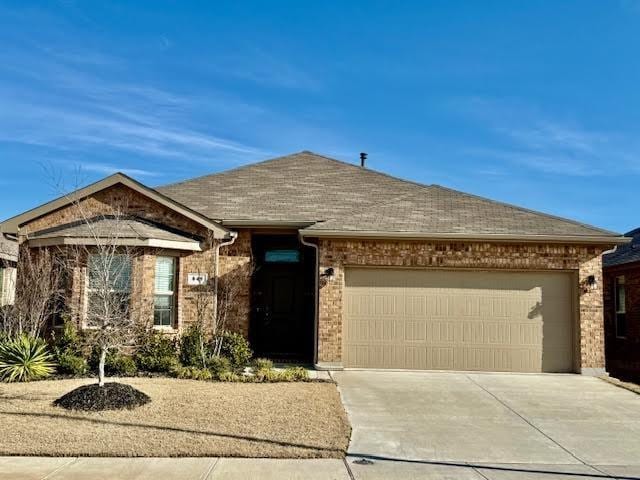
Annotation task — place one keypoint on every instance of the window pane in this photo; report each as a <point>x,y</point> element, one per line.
<point>165,274</point>
<point>163,313</point>
<point>109,272</point>
<point>282,256</point>
<point>620,295</point>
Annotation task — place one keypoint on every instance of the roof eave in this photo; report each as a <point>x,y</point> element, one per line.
<point>370,234</point>
<point>120,242</point>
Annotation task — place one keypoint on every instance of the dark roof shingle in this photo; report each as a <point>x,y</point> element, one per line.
<point>345,197</point>
<point>624,254</point>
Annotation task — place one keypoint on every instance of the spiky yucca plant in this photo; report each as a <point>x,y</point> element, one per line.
<point>25,358</point>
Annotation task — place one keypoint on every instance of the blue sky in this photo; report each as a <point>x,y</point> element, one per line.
<point>535,103</point>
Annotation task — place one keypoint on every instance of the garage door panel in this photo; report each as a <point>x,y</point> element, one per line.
<point>433,319</point>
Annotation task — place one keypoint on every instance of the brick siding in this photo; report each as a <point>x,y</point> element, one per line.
<point>339,253</point>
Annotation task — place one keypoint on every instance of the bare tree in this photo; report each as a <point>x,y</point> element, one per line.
<point>215,301</point>
<point>230,287</point>
<point>38,282</point>
<point>109,315</point>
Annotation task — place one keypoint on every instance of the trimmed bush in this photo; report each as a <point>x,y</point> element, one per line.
<point>156,353</point>
<point>236,348</point>
<point>298,374</point>
<point>191,354</point>
<point>68,351</point>
<point>262,364</point>
<point>289,374</point>
<point>219,366</point>
<point>71,364</point>
<point>192,373</point>
<point>25,358</point>
<point>116,363</point>
<point>121,365</point>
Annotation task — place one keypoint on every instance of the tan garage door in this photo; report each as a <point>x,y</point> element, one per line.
<point>458,320</point>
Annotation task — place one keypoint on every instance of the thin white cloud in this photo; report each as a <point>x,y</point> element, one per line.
<point>523,136</point>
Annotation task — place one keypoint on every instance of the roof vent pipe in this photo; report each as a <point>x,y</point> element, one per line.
<point>363,158</point>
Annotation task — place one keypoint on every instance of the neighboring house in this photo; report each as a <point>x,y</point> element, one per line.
<point>8,262</point>
<point>622,308</point>
<point>354,268</point>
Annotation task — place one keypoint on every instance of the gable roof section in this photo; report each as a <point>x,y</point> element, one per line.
<point>13,224</point>
<point>327,197</point>
<point>303,187</point>
<point>625,254</point>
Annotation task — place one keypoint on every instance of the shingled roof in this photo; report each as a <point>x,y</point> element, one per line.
<point>129,230</point>
<point>334,196</point>
<point>624,254</point>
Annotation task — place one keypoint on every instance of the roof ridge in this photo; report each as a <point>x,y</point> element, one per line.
<point>366,169</point>
<point>283,157</point>
<point>527,210</point>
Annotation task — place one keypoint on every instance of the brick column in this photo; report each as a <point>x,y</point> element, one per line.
<point>591,359</point>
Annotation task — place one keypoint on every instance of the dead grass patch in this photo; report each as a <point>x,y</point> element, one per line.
<point>184,418</point>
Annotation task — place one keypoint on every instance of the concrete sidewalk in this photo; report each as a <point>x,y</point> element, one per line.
<point>39,468</point>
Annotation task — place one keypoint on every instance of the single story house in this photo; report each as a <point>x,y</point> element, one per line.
<point>621,270</point>
<point>8,262</point>
<point>351,267</point>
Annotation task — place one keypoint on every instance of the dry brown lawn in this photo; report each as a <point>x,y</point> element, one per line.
<point>184,418</point>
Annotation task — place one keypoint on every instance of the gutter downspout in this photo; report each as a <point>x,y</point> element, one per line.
<point>316,295</point>
<point>216,263</point>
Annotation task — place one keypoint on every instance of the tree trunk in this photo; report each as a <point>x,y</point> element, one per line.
<point>103,359</point>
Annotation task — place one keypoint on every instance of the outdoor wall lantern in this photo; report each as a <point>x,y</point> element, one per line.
<point>329,273</point>
<point>589,283</point>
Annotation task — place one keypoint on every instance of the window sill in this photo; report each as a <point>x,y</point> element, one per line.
<point>162,328</point>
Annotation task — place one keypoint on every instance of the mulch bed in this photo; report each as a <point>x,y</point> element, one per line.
<point>112,396</point>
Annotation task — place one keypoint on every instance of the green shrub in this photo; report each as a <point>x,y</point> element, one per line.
<point>298,374</point>
<point>67,349</point>
<point>219,366</point>
<point>71,364</point>
<point>231,377</point>
<point>156,352</point>
<point>289,374</point>
<point>191,354</point>
<point>192,373</point>
<point>69,339</point>
<point>25,358</point>
<point>116,363</point>
<point>262,364</point>
<point>236,348</point>
<point>120,365</point>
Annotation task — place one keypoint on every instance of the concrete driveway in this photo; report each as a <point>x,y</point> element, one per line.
<point>495,426</point>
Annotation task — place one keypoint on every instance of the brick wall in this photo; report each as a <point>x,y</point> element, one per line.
<point>122,200</point>
<point>623,354</point>
<point>338,253</point>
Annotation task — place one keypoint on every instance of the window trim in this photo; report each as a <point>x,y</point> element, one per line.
<point>618,281</point>
<point>173,325</point>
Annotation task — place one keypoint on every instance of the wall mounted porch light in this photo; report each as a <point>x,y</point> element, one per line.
<point>329,273</point>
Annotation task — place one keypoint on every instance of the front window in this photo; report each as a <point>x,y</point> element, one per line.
<point>621,307</point>
<point>108,290</point>
<point>165,292</point>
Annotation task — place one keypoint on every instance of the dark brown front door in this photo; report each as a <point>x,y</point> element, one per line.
<point>283,298</point>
